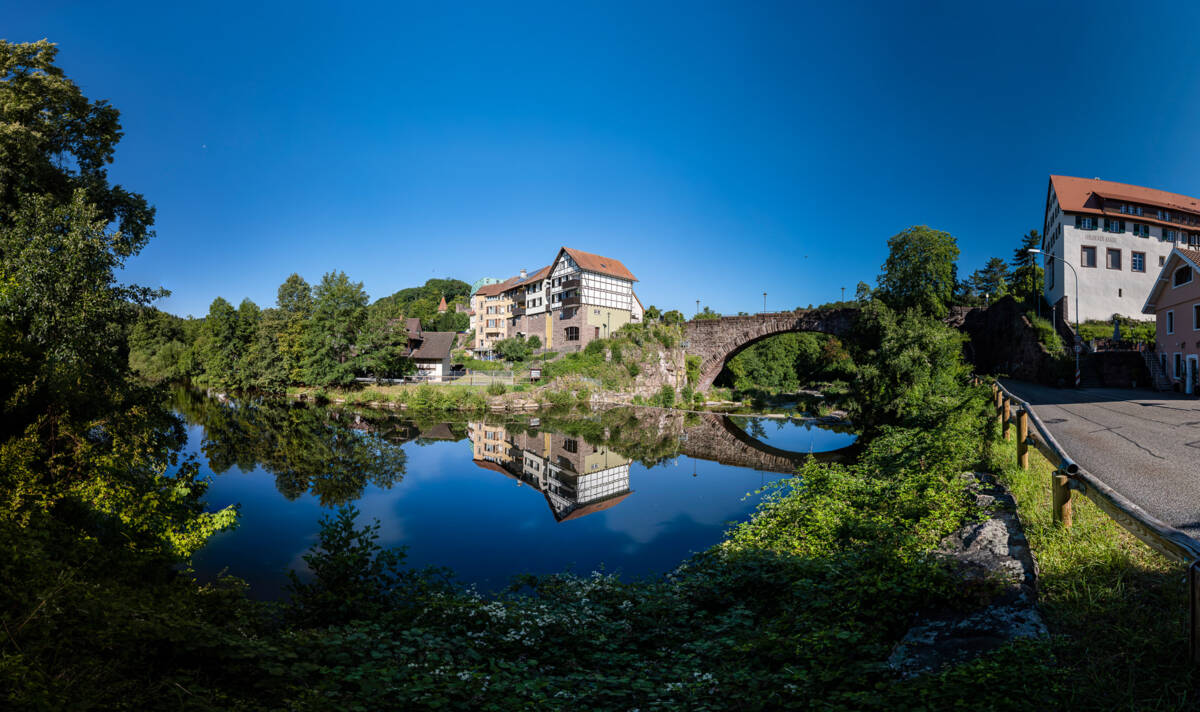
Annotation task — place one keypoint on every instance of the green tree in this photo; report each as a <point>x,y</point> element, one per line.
<point>63,321</point>
<point>990,282</point>
<point>219,347</point>
<point>263,362</point>
<point>382,347</point>
<point>56,142</point>
<point>707,313</point>
<point>158,346</point>
<point>653,313</point>
<point>919,272</point>
<point>1027,275</point>
<point>673,317</point>
<point>294,300</point>
<point>339,311</point>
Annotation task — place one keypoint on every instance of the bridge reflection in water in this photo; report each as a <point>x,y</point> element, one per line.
<point>579,475</point>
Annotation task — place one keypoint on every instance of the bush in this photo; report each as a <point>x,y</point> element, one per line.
<point>633,369</point>
<point>496,389</point>
<point>666,396</point>
<point>1048,336</point>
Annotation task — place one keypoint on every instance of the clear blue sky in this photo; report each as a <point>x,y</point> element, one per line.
<point>718,150</point>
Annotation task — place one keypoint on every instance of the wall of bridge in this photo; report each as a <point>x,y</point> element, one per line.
<point>715,341</point>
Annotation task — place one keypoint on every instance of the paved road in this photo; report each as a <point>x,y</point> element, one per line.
<point>1143,444</point>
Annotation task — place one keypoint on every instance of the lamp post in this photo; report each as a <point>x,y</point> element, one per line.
<point>1036,251</point>
<point>697,307</point>
<point>764,302</point>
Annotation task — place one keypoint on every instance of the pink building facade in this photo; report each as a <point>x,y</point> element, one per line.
<point>1175,303</point>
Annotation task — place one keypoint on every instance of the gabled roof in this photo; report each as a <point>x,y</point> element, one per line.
<point>434,345</point>
<point>1076,195</point>
<point>598,263</point>
<point>1177,257</point>
<point>518,281</point>
<point>592,508</point>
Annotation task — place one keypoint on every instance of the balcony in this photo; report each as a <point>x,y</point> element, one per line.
<point>519,310</point>
<point>573,283</point>
<point>573,301</point>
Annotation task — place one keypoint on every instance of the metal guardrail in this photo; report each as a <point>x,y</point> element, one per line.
<point>1069,476</point>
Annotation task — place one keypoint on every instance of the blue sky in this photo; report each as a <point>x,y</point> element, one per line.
<point>719,150</point>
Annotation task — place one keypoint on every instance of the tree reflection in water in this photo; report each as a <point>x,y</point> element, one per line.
<point>332,454</point>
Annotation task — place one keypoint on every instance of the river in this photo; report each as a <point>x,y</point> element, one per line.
<point>628,491</point>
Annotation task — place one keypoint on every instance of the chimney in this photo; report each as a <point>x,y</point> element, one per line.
<point>522,274</point>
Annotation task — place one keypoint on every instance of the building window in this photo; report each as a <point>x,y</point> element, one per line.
<point>1170,322</point>
<point>1113,258</point>
<point>1111,225</point>
<point>1161,260</point>
<point>1087,256</point>
<point>1141,230</point>
<point>1137,261</point>
<point>1168,235</point>
<point>1196,317</point>
<point>1085,222</point>
<point>572,333</point>
<point>571,445</point>
<point>1183,276</point>
<point>1178,365</point>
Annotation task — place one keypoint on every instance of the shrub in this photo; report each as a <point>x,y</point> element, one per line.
<point>666,396</point>
<point>496,389</point>
<point>633,369</point>
<point>692,364</point>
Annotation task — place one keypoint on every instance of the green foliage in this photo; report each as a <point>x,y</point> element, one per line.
<point>910,372</point>
<point>516,349</point>
<point>382,347</point>
<point>653,313</point>
<point>496,389</point>
<point>788,362</point>
<point>57,144</point>
<point>339,311</point>
<point>706,313</point>
<point>919,271</point>
<point>422,302</point>
<point>1131,330</point>
<point>692,365</point>
<point>159,346</point>
<point>1048,336</point>
<point>665,397</point>
<point>989,283</point>
<point>672,317</point>
<point>1028,275</point>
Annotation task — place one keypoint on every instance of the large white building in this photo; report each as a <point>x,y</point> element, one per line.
<point>1116,236</point>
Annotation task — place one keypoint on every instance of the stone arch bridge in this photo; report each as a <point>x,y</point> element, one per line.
<point>716,341</point>
<point>716,437</point>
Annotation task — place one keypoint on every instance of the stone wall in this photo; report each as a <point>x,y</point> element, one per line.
<point>1003,341</point>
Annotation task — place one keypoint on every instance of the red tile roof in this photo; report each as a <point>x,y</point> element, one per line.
<point>594,507</point>
<point>598,263</point>
<point>1075,195</point>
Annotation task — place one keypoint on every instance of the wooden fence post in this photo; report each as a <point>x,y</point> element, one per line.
<point>1022,438</point>
<point>1005,414</point>
<point>1062,499</point>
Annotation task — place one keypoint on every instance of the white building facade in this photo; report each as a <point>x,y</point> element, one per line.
<point>1116,237</point>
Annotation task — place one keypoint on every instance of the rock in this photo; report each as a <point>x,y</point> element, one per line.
<point>991,557</point>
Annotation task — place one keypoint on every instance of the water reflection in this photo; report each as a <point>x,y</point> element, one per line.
<point>576,477</point>
<point>630,490</point>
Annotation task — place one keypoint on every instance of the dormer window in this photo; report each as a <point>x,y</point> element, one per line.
<point>1182,276</point>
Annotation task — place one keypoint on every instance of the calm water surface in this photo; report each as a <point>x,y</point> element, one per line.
<point>629,491</point>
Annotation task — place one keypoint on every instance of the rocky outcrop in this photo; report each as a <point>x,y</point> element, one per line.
<point>990,557</point>
<point>1003,341</point>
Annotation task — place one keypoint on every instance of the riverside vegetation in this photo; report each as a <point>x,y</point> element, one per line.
<point>797,608</point>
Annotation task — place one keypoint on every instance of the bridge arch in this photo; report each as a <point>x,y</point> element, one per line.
<point>716,341</point>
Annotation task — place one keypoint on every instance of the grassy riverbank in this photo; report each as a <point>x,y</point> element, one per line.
<point>1117,609</point>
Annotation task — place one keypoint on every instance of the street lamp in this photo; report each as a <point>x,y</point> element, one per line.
<point>697,306</point>
<point>764,302</point>
<point>1036,251</point>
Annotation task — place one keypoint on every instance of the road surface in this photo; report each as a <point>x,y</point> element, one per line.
<point>1143,444</point>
